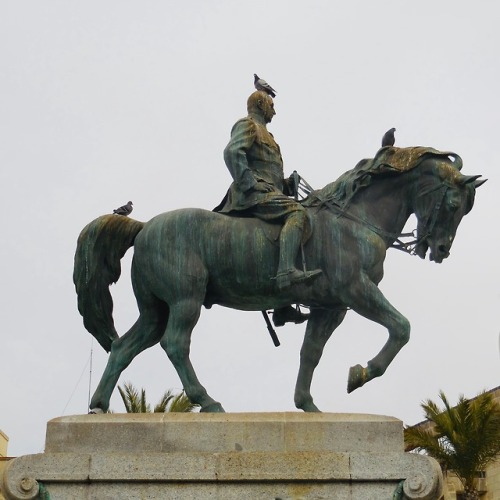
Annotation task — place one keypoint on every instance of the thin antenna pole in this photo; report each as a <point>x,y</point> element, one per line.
<point>90,372</point>
<point>84,369</point>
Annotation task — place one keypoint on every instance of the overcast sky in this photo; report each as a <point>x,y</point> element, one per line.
<point>105,102</point>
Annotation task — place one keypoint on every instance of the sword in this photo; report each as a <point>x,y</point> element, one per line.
<point>271,329</point>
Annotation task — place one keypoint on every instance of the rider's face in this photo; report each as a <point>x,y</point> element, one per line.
<point>268,110</point>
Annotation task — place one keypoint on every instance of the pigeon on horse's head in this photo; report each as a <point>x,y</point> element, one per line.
<point>389,139</point>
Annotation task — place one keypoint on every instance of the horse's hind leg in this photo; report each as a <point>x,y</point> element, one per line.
<point>176,341</point>
<point>320,326</point>
<point>146,332</point>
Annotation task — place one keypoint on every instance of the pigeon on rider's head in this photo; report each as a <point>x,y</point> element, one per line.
<point>261,84</point>
<point>389,139</point>
<point>124,210</point>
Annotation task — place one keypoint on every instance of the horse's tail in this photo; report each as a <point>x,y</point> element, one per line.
<point>100,247</point>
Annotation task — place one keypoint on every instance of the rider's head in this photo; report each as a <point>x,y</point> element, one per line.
<point>261,104</point>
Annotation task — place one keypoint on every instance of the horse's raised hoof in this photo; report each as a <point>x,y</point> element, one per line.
<point>213,408</point>
<point>358,376</point>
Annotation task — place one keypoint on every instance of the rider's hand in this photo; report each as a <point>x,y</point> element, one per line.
<point>263,187</point>
<point>291,184</point>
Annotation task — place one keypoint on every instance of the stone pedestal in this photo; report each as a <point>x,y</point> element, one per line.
<point>224,456</point>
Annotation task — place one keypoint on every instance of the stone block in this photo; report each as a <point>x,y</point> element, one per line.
<point>223,456</point>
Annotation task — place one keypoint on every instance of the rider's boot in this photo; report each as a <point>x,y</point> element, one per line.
<point>288,274</point>
<point>288,314</point>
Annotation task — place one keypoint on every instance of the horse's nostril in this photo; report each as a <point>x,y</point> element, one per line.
<point>442,249</point>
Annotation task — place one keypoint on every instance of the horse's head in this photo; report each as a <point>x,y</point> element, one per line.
<point>443,197</point>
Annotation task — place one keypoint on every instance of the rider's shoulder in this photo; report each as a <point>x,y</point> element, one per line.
<point>246,120</point>
<point>244,123</point>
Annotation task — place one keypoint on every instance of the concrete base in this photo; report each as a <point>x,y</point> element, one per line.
<point>224,456</point>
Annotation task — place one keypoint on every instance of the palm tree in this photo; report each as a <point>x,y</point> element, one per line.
<point>136,403</point>
<point>463,439</point>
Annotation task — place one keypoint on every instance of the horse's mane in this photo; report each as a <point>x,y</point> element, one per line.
<point>387,161</point>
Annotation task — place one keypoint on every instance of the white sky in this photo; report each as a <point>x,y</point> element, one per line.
<point>102,102</point>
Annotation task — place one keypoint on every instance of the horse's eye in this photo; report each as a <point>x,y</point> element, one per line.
<point>452,201</point>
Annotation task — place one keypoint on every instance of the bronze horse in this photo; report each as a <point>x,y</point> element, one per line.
<point>188,258</point>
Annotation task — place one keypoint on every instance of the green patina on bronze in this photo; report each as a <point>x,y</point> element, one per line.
<point>260,190</point>
<point>247,256</point>
<point>388,161</point>
<point>94,300</point>
<point>192,257</point>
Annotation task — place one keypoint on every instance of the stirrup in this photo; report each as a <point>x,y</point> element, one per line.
<point>293,277</point>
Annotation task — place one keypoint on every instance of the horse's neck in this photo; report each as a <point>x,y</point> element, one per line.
<point>384,205</point>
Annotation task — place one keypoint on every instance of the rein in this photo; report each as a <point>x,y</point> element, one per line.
<point>410,246</point>
<point>432,217</point>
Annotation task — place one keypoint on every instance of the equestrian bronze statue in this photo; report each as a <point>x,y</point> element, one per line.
<point>189,258</point>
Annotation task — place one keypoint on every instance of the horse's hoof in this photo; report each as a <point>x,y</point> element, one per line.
<point>213,408</point>
<point>311,408</point>
<point>95,411</point>
<point>358,376</point>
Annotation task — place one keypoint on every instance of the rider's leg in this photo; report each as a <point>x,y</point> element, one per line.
<point>290,240</point>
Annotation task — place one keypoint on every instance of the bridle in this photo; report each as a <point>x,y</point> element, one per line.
<point>398,243</point>
<point>432,217</point>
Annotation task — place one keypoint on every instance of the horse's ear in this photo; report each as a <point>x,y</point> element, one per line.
<point>467,179</point>
<point>479,183</point>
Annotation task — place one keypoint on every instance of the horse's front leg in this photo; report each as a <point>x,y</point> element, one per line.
<point>320,327</point>
<point>366,299</point>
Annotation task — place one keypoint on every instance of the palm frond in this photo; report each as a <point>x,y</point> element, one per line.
<point>182,404</point>
<point>464,438</point>
<point>136,402</point>
<point>162,405</point>
<point>133,401</point>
